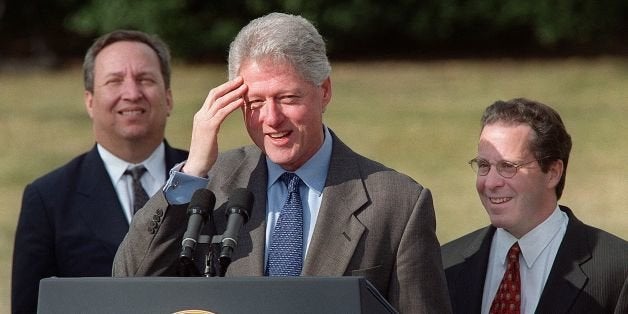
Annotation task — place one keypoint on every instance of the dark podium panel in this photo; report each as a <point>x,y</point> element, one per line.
<point>216,295</point>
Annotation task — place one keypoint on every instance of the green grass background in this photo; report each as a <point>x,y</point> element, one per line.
<point>421,118</point>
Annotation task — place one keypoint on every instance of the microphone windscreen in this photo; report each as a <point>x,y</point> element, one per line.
<point>241,198</point>
<point>203,198</point>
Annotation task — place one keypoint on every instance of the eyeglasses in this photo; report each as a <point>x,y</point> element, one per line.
<point>506,169</point>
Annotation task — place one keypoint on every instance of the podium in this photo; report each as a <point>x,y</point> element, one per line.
<point>219,295</point>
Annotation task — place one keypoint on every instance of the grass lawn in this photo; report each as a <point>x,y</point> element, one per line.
<point>421,118</point>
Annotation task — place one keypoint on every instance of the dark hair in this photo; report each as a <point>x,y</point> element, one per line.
<point>551,141</point>
<point>154,42</point>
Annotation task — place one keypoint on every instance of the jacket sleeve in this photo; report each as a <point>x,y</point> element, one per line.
<point>418,282</point>
<point>152,245</point>
<point>33,252</point>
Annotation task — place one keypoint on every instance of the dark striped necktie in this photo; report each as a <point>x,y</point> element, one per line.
<point>140,197</point>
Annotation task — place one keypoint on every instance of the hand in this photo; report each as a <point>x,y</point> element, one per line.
<point>220,102</point>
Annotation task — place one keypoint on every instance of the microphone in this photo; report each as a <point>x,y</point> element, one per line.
<point>201,205</point>
<point>238,213</point>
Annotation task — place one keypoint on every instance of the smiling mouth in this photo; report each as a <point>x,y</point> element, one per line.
<point>136,112</point>
<point>499,200</point>
<point>278,135</point>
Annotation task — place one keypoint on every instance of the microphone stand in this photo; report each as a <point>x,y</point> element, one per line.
<point>188,268</point>
<point>214,243</point>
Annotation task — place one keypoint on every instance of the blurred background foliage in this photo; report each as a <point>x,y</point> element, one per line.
<point>200,30</point>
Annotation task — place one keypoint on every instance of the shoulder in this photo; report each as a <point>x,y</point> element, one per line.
<point>597,251</point>
<point>237,161</point>
<point>458,249</point>
<point>597,239</point>
<point>64,173</point>
<point>373,173</point>
<point>604,244</point>
<point>239,155</point>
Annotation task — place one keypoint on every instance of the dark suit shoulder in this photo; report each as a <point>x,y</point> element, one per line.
<point>608,251</point>
<point>455,251</point>
<point>607,239</point>
<point>62,176</point>
<point>598,240</point>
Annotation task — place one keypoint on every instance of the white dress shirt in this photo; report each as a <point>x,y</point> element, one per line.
<point>538,251</point>
<point>152,180</point>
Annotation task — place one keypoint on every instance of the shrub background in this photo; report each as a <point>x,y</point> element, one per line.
<point>201,30</point>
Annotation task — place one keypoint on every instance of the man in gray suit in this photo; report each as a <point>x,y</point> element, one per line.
<point>564,265</point>
<point>359,217</point>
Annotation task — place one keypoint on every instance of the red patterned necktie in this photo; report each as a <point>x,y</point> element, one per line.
<point>508,296</point>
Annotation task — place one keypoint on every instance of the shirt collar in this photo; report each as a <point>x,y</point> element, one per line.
<point>116,166</point>
<point>532,243</point>
<point>314,172</point>
<point>503,241</point>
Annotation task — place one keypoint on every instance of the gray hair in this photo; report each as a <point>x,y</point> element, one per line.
<point>281,38</point>
<point>154,42</point>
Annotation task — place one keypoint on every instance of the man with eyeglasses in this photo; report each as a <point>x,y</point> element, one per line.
<point>536,256</point>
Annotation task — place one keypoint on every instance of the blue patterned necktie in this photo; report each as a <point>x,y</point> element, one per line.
<point>140,197</point>
<point>285,255</point>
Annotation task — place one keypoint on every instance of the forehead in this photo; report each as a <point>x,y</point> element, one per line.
<point>269,76</point>
<point>505,141</point>
<point>126,54</point>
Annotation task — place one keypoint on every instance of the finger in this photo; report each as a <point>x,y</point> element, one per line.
<point>236,95</point>
<point>227,91</point>
<point>212,115</point>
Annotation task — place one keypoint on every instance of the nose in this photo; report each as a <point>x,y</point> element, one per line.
<point>272,113</point>
<point>131,90</point>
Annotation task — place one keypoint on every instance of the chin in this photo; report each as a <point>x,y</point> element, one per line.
<point>499,220</point>
<point>279,155</point>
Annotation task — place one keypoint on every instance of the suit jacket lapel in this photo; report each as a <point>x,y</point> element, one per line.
<point>248,259</point>
<point>98,201</point>
<point>567,279</point>
<point>337,231</point>
<point>472,274</point>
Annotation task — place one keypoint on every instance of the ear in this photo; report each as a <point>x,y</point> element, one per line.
<point>554,173</point>
<point>88,98</point>
<point>169,101</point>
<point>326,90</point>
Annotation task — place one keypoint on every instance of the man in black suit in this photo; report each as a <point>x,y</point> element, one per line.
<point>564,265</point>
<point>73,218</point>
